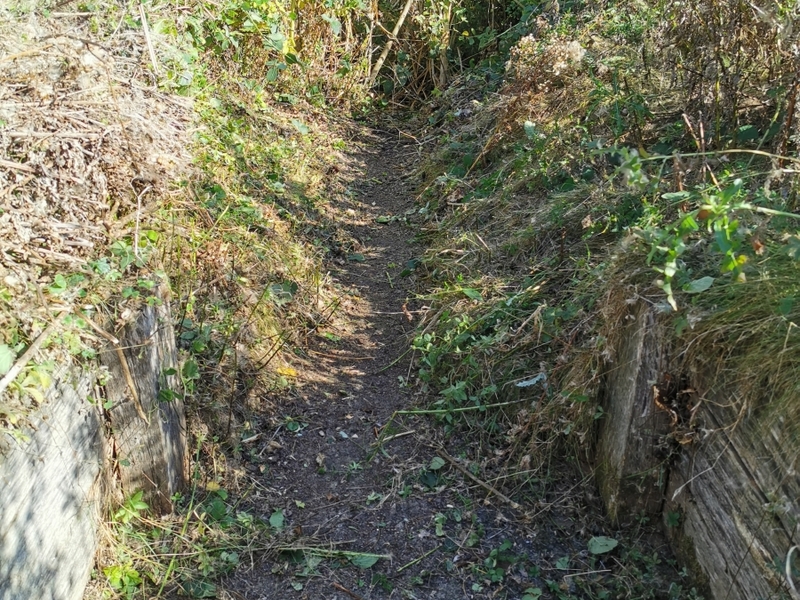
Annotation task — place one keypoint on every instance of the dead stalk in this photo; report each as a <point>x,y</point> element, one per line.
<point>481,483</point>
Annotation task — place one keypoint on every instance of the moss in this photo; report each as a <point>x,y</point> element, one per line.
<point>683,546</point>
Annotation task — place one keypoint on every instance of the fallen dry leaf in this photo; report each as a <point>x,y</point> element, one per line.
<point>408,315</point>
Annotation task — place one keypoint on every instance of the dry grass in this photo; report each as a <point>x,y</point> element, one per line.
<point>91,148</point>
<point>537,223</point>
<point>110,182</point>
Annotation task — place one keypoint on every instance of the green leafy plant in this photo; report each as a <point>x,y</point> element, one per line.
<point>601,544</point>
<point>124,579</point>
<point>532,593</point>
<point>277,519</point>
<point>131,509</point>
<point>719,211</point>
<point>498,561</point>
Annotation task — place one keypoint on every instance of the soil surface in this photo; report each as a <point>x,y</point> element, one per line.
<point>405,504</point>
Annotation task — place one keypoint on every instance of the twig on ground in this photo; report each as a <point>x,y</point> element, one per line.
<point>483,484</point>
<point>60,256</point>
<point>391,364</point>
<point>398,435</point>
<point>146,30</point>
<point>339,356</point>
<point>587,573</point>
<point>341,588</point>
<point>10,164</point>
<point>416,560</point>
<point>71,135</point>
<point>443,411</point>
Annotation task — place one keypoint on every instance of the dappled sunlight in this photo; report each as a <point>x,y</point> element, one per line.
<point>442,300</point>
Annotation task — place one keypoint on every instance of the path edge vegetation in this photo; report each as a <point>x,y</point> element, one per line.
<point>583,158</point>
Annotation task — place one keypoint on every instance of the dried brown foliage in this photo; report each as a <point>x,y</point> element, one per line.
<point>89,147</point>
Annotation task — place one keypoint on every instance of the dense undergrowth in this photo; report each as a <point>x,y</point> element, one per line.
<point>594,156</point>
<point>603,171</point>
<point>243,238</point>
<point>240,235</point>
<point>634,155</point>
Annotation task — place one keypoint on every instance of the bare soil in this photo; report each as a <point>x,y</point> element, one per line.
<point>440,534</point>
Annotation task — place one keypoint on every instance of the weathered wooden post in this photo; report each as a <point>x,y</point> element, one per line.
<point>54,485</point>
<point>631,473</point>
<point>147,419</point>
<point>52,495</point>
<point>725,484</point>
<point>732,500</point>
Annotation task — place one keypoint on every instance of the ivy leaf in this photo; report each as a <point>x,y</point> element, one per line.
<point>301,127</point>
<point>276,519</point>
<point>336,24</point>
<point>364,561</point>
<point>190,370</point>
<point>216,509</point>
<point>59,285</point>
<point>673,519</point>
<point>283,293</point>
<point>562,564</point>
<point>437,462</point>
<point>698,285</point>
<point>530,129</point>
<point>602,544</point>
<point>472,294</point>
<point>429,479</point>
<point>7,356</point>
<point>532,594</point>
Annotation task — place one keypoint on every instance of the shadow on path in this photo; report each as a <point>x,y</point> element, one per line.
<point>438,535</point>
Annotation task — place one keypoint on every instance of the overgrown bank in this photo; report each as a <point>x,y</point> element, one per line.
<point>143,170</point>
<point>634,172</point>
<point>585,181</point>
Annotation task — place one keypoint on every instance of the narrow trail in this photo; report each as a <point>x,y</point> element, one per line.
<point>332,495</point>
<point>441,536</point>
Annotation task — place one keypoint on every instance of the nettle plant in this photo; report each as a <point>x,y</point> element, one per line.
<point>724,213</point>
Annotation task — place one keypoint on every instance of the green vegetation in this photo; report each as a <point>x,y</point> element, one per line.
<point>622,159</point>
<point>210,540</point>
<point>589,156</point>
<point>262,78</point>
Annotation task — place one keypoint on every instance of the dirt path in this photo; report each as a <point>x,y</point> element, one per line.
<point>335,491</point>
<point>439,535</point>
